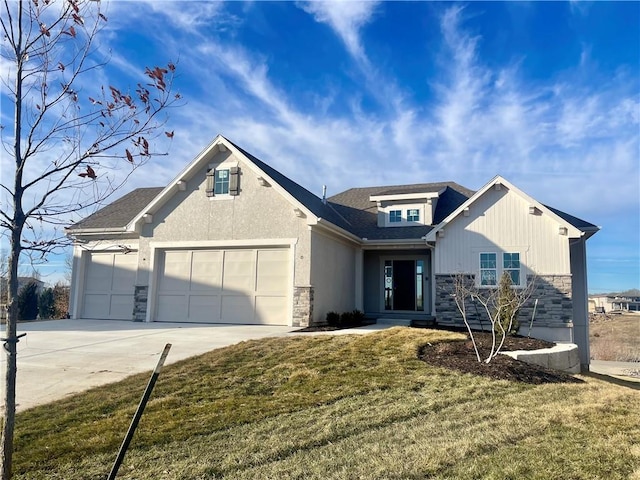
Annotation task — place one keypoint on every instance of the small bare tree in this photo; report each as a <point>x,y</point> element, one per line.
<point>71,144</point>
<point>500,306</point>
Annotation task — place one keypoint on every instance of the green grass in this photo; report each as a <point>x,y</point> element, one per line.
<point>343,407</point>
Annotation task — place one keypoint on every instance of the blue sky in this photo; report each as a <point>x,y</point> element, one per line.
<point>349,94</point>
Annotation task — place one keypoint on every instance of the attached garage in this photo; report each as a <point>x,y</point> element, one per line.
<point>243,286</point>
<point>109,285</point>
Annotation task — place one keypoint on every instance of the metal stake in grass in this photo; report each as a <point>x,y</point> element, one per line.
<point>138,414</point>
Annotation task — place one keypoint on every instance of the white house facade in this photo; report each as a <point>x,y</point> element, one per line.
<point>232,240</point>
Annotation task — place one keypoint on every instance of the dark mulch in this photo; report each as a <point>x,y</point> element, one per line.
<point>460,356</point>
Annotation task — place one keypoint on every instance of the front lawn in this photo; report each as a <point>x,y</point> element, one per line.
<point>343,407</point>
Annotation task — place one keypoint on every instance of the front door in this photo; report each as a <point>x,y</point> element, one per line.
<point>404,285</point>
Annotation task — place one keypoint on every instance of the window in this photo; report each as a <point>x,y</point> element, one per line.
<point>511,265</point>
<point>395,216</point>
<point>413,215</point>
<point>488,269</point>
<point>221,182</point>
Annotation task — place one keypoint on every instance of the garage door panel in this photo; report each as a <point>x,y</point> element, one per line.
<point>271,310</point>
<point>239,271</point>
<point>204,308</point>
<point>121,306</point>
<point>206,271</point>
<point>237,309</point>
<point>171,308</point>
<point>244,286</point>
<point>176,271</point>
<point>124,272</point>
<point>272,271</point>
<point>99,272</point>
<point>109,285</point>
<point>96,306</point>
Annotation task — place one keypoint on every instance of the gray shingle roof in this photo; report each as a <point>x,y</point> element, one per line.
<point>575,221</point>
<point>304,196</point>
<point>350,210</point>
<point>119,213</point>
<point>362,214</point>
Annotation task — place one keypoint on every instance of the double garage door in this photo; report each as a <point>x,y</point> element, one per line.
<point>245,286</point>
<point>109,285</point>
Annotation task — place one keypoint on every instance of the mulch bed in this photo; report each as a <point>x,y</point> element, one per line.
<point>460,356</point>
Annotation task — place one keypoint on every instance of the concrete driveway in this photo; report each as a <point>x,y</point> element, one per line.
<point>61,357</point>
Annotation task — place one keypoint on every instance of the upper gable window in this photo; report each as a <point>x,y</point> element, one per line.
<point>413,215</point>
<point>223,181</point>
<point>395,216</point>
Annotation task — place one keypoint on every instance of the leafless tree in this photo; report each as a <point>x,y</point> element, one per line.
<point>71,144</point>
<point>500,306</point>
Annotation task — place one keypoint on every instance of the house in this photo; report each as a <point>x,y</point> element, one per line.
<point>613,302</point>
<point>232,240</point>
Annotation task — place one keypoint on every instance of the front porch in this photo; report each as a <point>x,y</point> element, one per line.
<point>397,286</point>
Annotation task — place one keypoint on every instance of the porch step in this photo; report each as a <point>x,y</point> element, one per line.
<point>400,322</point>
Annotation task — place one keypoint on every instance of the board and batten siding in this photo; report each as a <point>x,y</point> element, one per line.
<point>499,221</point>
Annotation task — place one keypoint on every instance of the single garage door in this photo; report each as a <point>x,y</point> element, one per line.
<point>109,285</point>
<point>245,286</point>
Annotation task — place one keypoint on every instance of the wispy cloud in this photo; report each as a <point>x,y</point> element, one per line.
<point>346,18</point>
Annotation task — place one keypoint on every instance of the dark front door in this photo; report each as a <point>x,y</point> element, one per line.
<point>404,285</point>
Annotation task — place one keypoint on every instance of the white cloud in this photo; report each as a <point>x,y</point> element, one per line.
<point>346,18</point>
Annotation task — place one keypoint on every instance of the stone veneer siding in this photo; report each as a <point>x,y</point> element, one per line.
<point>140,296</point>
<point>302,306</point>
<point>555,307</point>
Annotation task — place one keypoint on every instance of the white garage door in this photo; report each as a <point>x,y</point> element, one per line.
<point>246,286</point>
<point>109,285</point>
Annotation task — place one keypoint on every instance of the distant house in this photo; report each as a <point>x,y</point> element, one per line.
<point>609,303</point>
<point>233,240</point>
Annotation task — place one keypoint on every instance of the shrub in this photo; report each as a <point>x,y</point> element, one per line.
<point>28,302</point>
<point>346,319</point>
<point>508,306</point>
<point>45,303</point>
<point>333,319</point>
<point>61,300</point>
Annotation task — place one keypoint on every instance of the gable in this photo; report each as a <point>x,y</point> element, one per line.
<point>501,220</point>
<point>257,211</point>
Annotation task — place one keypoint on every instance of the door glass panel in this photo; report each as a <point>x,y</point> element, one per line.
<point>419,285</point>
<point>388,285</point>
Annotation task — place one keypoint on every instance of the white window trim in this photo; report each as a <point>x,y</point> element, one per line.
<point>500,269</point>
<point>401,220</point>
<point>480,269</point>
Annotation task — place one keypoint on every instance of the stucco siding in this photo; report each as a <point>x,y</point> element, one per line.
<point>258,212</point>
<point>499,221</point>
<point>333,266</point>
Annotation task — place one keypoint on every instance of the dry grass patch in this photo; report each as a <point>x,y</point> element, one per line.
<point>615,337</point>
<point>343,407</point>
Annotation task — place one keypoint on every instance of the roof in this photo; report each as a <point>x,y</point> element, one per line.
<point>575,221</point>
<point>119,213</point>
<point>362,214</point>
<point>305,197</point>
